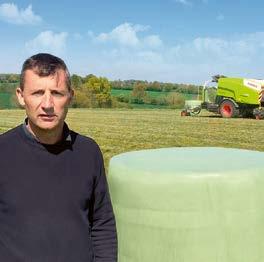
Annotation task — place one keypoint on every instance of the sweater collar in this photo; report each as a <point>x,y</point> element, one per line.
<point>66,135</point>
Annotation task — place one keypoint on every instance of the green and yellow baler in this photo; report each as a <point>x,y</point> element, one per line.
<point>235,97</point>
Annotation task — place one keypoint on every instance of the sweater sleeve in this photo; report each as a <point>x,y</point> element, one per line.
<point>103,227</point>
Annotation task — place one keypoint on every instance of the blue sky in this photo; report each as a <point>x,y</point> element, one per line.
<point>183,41</point>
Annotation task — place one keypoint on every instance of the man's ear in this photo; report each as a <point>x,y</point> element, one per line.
<point>20,97</point>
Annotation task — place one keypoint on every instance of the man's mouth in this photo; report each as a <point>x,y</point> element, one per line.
<point>47,117</point>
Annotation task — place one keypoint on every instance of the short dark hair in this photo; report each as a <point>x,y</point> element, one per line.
<point>44,64</point>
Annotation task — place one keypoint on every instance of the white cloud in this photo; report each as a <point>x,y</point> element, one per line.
<point>153,41</point>
<point>77,36</point>
<point>189,62</point>
<point>48,41</point>
<point>220,17</point>
<point>239,55</point>
<point>189,3</point>
<point>126,36</point>
<point>184,2</point>
<point>91,34</point>
<point>207,48</point>
<point>141,28</point>
<point>10,13</point>
<point>149,56</point>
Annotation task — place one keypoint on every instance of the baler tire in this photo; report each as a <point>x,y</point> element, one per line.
<point>183,113</point>
<point>228,109</point>
<point>258,117</point>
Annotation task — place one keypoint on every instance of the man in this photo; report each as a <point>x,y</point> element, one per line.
<point>54,200</point>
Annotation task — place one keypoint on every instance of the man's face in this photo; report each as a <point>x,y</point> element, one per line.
<point>46,100</point>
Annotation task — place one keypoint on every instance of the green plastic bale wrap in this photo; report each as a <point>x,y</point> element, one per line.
<point>189,205</point>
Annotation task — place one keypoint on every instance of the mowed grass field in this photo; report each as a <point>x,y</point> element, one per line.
<point>122,130</point>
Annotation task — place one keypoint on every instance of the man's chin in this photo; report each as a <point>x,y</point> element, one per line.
<point>48,125</point>
<point>45,125</point>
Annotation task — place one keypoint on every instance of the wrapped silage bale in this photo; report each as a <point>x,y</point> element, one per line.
<point>189,205</point>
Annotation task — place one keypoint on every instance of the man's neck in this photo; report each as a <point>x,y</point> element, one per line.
<point>48,137</point>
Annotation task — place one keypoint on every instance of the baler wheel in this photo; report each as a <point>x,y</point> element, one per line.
<point>228,109</point>
<point>183,113</point>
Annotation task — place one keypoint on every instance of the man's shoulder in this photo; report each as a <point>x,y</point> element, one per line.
<point>84,142</point>
<point>9,135</point>
<point>9,142</point>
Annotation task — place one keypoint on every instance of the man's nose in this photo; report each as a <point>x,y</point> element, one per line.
<point>47,101</point>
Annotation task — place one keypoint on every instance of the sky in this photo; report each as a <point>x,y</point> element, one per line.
<point>179,41</point>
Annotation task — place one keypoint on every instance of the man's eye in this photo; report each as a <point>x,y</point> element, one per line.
<point>55,93</point>
<point>38,93</point>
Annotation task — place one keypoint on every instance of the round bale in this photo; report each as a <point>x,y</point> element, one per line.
<point>189,205</point>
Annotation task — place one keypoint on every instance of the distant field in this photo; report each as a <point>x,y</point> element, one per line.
<point>5,100</point>
<point>11,85</point>
<point>119,131</point>
<point>6,92</point>
<point>153,94</point>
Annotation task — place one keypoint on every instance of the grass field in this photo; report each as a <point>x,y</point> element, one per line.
<point>118,131</point>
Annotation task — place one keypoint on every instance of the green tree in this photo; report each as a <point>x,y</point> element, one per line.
<point>98,89</point>
<point>76,81</point>
<point>13,78</point>
<point>167,87</point>
<point>81,99</point>
<point>175,100</point>
<point>138,94</point>
<point>86,78</point>
<point>156,86</point>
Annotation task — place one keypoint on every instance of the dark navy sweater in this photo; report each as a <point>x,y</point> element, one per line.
<point>54,201</point>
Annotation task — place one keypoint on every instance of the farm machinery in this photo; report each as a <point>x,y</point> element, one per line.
<point>233,97</point>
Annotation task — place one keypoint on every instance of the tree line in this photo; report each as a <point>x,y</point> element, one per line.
<point>92,91</point>
<point>87,97</point>
<point>155,86</point>
<point>9,78</point>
